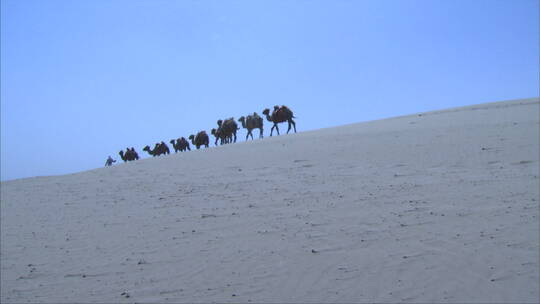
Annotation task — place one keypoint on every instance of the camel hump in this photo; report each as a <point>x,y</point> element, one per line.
<point>201,134</point>
<point>278,110</point>
<point>285,109</point>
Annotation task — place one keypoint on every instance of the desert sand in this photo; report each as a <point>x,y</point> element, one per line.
<point>440,206</point>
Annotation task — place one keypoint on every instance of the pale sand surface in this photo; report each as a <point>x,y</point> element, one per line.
<point>434,207</point>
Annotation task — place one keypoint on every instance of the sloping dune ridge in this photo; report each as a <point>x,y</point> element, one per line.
<point>439,206</point>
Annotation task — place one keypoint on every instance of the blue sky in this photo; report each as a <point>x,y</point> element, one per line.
<point>81,80</point>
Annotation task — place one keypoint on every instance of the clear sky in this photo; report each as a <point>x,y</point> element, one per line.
<point>81,80</point>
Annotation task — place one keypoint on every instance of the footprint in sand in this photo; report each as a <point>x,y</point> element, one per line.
<point>523,162</point>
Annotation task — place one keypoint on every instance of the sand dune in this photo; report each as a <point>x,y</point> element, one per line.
<point>432,207</point>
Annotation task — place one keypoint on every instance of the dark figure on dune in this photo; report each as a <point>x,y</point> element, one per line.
<point>201,139</point>
<point>159,148</point>
<point>109,161</point>
<point>252,122</point>
<point>180,144</point>
<point>227,130</point>
<point>279,115</point>
<point>129,155</point>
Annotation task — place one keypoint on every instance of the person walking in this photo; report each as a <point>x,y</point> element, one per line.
<point>109,161</point>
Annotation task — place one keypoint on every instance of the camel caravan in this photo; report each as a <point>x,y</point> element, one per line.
<point>225,133</point>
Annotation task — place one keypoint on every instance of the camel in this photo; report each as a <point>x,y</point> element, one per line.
<point>132,154</point>
<point>252,122</point>
<point>227,130</point>
<point>151,152</point>
<point>218,134</point>
<point>159,148</point>
<point>180,144</point>
<point>200,140</point>
<point>279,115</point>
<point>121,153</point>
<point>173,143</point>
<point>129,155</point>
<point>163,148</point>
<point>183,144</point>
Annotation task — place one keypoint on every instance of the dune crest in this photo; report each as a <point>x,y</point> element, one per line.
<point>439,206</point>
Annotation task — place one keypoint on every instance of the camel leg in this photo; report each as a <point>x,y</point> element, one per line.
<point>260,132</point>
<point>274,127</point>
<point>294,125</point>
<point>288,129</point>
